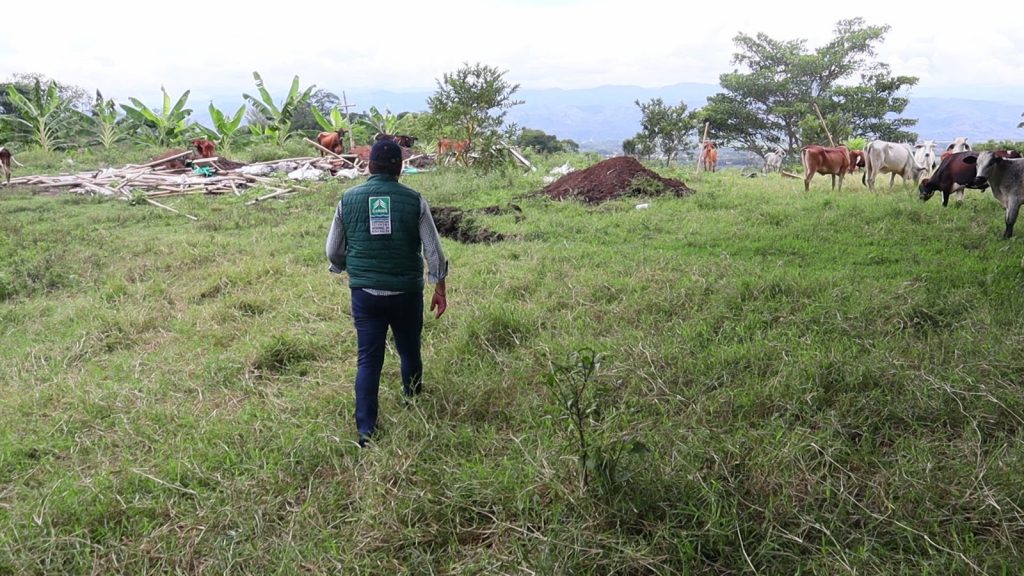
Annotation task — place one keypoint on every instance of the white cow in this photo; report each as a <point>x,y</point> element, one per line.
<point>958,145</point>
<point>773,161</point>
<point>924,154</point>
<point>1006,177</point>
<point>890,158</point>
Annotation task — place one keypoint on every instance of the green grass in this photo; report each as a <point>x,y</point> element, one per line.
<point>822,382</point>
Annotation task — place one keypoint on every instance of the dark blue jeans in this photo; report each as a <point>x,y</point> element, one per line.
<point>373,315</point>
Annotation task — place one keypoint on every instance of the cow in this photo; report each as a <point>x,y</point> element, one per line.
<point>958,145</point>
<point>856,160</point>
<point>821,160</point>
<point>1006,176</point>
<point>924,155</point>
<point>332,140</point>
<point>954,175</point>
<point>205,148</point>
<point>881,157</point>
<point>446,146</point>
<point>708,158</point>
<point>773,161</point>
<point>5,164</point>
<point>402,140</point>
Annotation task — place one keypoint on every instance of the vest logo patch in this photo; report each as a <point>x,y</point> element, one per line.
<point>380,215</point>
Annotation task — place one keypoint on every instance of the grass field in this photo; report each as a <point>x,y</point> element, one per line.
<point>786,383</point>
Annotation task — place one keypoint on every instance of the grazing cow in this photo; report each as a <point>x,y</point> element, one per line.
<point>856,160</point>
<point>708,158</point>
<point>447,146</point>
<point>5,164</point>
<point>401,139</point>
<point>205,148</point>
<point>954,175</point>
<point>1006,177</point>
<point>773,161</point>
<point>333,141</point>
<point>883,157</point>
<point>924,155</point>
<point>821,160</point>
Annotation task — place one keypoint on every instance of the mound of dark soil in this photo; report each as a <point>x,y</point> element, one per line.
<point>453,223</point>
<point>614,178</point>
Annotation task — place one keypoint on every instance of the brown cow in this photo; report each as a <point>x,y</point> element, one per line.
<point>205,148</point>
<point>333,141</point>
<point>447,146</point>
<point>954,175</point>
<point>5,164</point>
<point>708,159</point>
<point>856,160</point>
<point>821,160</point>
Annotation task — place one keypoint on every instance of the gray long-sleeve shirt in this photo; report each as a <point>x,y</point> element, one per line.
<point>437,264</point>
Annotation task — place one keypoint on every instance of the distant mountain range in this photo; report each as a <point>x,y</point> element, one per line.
<point>599,119</point>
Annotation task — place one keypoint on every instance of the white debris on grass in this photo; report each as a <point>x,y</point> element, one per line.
<point>306,173</point>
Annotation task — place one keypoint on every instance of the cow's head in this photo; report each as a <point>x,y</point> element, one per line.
<point>924,191</point>
<point>984,164</point>
<point>958,145</point>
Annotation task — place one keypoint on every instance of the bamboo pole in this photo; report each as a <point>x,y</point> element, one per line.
<point>823,125</point>
<point>165,207</point>
<point>273,194</point>
<point>160,161</point>
<point>331,152</point>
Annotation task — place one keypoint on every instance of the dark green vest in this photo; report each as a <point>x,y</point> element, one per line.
<point>382,234</point>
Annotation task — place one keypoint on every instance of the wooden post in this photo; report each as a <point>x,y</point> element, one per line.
<point>700,155</point>
<point>348,116</point>
<point>823,125</point>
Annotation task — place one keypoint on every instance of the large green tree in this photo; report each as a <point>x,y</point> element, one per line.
<point>472,102</point>
<point>544,143</point>
<point>770,99</point>
<point>664,128</point>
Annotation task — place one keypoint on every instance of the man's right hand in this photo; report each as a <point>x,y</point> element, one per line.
<point>438,301</point>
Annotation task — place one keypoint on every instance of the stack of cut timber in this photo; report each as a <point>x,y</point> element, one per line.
<point>133,180</point>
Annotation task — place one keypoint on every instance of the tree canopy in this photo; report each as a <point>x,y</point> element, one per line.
<point>473,102</point>
<point>663,128</point>
<point>769,99</point>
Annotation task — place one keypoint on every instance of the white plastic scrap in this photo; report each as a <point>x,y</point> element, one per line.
<point>563,169</point>
<point>306,173</point>
<point>258,170</point>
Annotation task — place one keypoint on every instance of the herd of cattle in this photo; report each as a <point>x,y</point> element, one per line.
<point>958,168</point>
<point>335,142</point>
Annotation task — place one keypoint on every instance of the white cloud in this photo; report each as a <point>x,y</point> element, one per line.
<point>131,49</point>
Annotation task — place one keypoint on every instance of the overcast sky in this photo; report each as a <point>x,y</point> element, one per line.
<point>132,48</point>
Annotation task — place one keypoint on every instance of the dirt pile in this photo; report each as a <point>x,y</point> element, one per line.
<point>453,223</point>
<point>614,178</point>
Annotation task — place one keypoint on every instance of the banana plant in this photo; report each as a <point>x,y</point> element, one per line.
<point>279,118</point>
<point>104,121</point>
<point>44,113</point>
<point>332,123</point>
<point>170,124</point>
<point>224,128</point>
<point>383,123</point>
